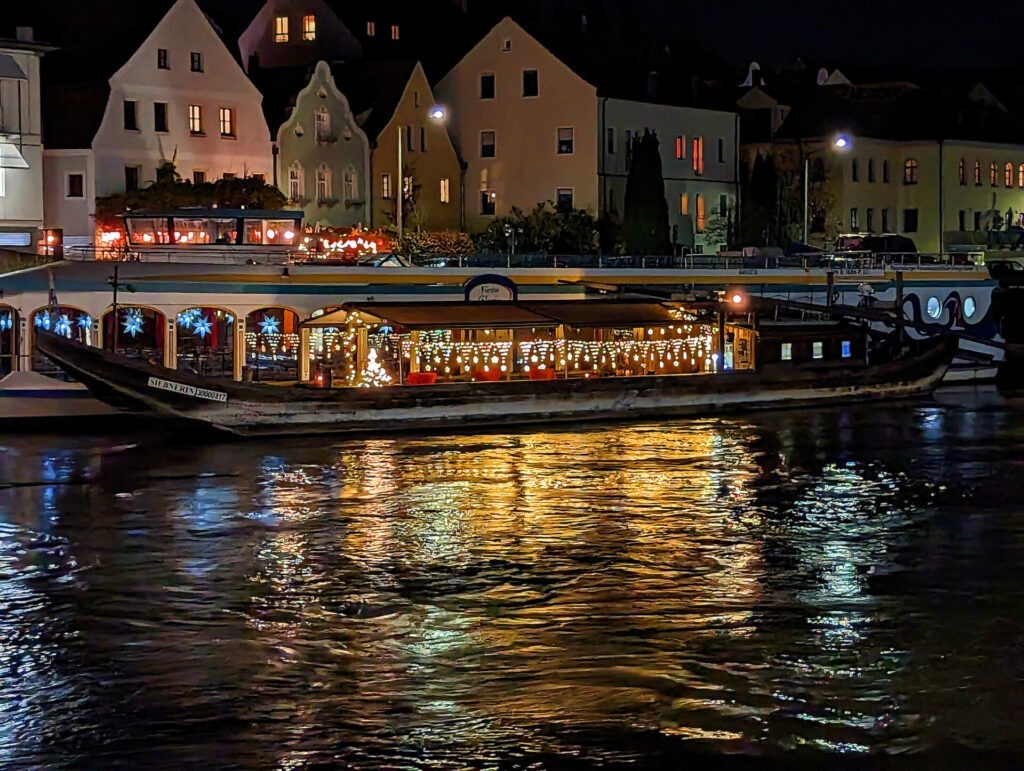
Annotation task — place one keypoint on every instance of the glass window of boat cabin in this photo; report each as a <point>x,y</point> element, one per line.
<point>224,231</point>
<point>191,231</point>
<point>147,231</point>
<point>271,232</point>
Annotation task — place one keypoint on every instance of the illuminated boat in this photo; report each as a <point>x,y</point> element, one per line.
<point>435,366</point>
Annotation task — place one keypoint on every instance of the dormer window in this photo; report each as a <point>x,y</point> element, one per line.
<point>281,29</point>
<point>395,32</point>
<point>371,29</point>
<point>309,27</point>
<point>196,59</point>
<point>162,59</point>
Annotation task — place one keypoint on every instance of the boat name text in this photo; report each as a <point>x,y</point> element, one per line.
<point>188,390</point>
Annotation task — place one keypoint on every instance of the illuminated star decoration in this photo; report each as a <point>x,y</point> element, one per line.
<point>202,327</point>
<point>85,321</point>
<point>133,322</point>
<point>63,325</point>
<point>42,320</point>
<point>188,318</point>
<point>270,325</point>
<point>6,322</point>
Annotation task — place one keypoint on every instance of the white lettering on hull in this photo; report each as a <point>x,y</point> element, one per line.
<point>187,390</point>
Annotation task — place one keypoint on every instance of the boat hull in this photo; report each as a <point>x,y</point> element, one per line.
<point>261,410</point>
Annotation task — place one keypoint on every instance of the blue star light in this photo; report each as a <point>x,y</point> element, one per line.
<point>203,326</point>
<point>133,322</point>
<point>63,325</point>
<point>270,325</point>
<point>6,322</point>
<point>43,320</point>
<point>85,321</point>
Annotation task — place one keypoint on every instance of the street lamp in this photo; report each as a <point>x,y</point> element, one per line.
<point>436,113</point>
<point>840,143</point>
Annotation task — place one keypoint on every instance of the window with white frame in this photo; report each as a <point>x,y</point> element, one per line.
<point>323,123</point>
<point>565,141</point>
<point>281,29</point>
<point>195,119</point>
<point>227,122</point>
<point>818,349</point>
<point>385,185</point>
<point>309,27</point>
<point>196,61</point>
<point>351,184</point>
<point>323,183</point>
<point>787,352</point>
<point>296,182</point>
<point>446,190</point>
<point>487,144</point>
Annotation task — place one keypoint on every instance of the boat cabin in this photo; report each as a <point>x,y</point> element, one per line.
<point>818,345</point>
<point>196,227</point>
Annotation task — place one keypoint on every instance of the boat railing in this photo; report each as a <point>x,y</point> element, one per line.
<point>217,255</point>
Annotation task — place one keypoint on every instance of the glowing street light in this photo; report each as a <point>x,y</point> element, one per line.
<point>840,143</point>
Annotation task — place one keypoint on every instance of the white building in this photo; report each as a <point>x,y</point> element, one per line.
<point>180,96</point>
<point>21,148</point>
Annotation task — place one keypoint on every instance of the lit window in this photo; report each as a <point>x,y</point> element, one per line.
<point>910,172</point>
<point>993,173</point>
<point>846,352</point>
<point>962,172</point>
<point>977,173</point>
<point>227,122</point>
<point>195,119</point>
<point>531,85</point>
<point>446,195</point>
<point>680,147</point>
<point>395,32</point>
<point>970,307</point>
<point>700,213</point>
<point>488,200</point>
<point>281,29</point>
<point>1020,175</point>
<point>1008,175</point>
<point>350,180</point>
<point>787,352</point>
<point>684,204</point>
<point>563,199</point>
<point>162,59</point>
<point>487,146</point>
<point>323,183</point>
<point>934,307</point>
<point>196,60</point>
<point>295,182</point>
<point>76,186</point>
<point>385,185</point>
<point>698,155</point>
<point>371,29</point>
<point>818,349</point>
<point>565,141</point>
<point>309,27</point>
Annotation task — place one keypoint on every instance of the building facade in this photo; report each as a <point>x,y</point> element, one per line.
<point>21,147</point>
<point>180,97</point>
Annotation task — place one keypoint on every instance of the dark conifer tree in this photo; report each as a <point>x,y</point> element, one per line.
<point>645,214</point>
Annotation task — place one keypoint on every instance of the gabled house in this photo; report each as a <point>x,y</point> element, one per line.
<point>21,148</point>
<point>290,33</point>
<point>164,88</point>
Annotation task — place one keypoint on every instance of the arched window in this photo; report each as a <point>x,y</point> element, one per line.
<point>963,172</point>
<point>977,172</point>
<point>993,174</point>
<point>910,172</point>
<point>1008,175</point>
<point>351,183</point>
<point>296,181</point>
<point>323,182</point>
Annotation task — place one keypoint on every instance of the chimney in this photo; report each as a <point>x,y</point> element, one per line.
<point>24,34</point>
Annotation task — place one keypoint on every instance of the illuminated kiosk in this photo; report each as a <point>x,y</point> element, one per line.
<point>197,227</point>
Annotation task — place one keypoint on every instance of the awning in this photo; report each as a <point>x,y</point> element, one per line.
<point>607,314</point>
<point>11,157</point>
<point>10,69</point>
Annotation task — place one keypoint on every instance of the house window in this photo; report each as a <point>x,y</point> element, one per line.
<point>407,188</point>
<point>162,59</point>
<point>488,199</point>
<point>160,116</point>
<point>323,183</point>
<point>76,186</point>
<point>611,141</point>
<point>885,220</point>
<point>910,220</point>
<point>700,213</point>
<point>565,141</point>
<point>131,115</point>
<point>977,220</point>
<point>563,199</point>
<point>229,175</point>
<point>910,172</point>
<point>195,119</point>
<point>885,171</point>
<point>385,186</point>
<point>854,225</point>
<point>423,139</point>
<point>1020,175</point>
<point>487,149</point>
<point>446,190</point>
<point>871,221</point>
<point>977,173</point>
<point>818,349</point>
<point>487,86</point>
<point>787,352</point>
<point>854,172</point>
<point>993,173</point>
<point>846,349</point>
<point>871,169</point>
<point>962,172</point>
<point>698,155</point>
<point>350,180</point>
<point>1008,175</point>
<point>322,123</point>
<point>281,29</point>
<point>309,27</point>
<point>395,32</point>
<point>961,220</point>
<point>680,148</point>
<point>260,177</point>
<point>723,205</point>
<point>531,87</point>
<point>408,139</point>
<point>684,203</point>
<point>613,206</point>
<point>721,151</point>
<point>227,122</point>
<point>198,177</point>
<point>131,178</point>
<point>371,29</point>
<point>196,60</point>
<point>506,45</point>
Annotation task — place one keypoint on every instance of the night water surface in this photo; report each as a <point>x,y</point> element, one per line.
<point>816,585</point>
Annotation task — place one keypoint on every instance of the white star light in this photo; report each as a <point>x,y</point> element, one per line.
<point>270,325</point>
<point>202,327</point>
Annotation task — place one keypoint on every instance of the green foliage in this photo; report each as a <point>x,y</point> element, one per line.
<point>645,214</point>
<point>171,192</point>
<point>545,229</point>
<point>430,243</point>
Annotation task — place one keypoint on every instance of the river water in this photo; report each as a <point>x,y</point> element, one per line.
<point>822,585</point>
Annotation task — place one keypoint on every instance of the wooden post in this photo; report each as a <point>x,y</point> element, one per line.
<point>304,354</point>
<point>171,342</point>
<point>240,348</point>
<point>720,343</point>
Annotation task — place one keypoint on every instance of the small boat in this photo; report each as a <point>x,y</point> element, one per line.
<point>32,400</point>
<point>791,364</point>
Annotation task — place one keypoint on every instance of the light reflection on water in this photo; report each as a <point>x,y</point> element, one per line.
<point>839,582</point>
